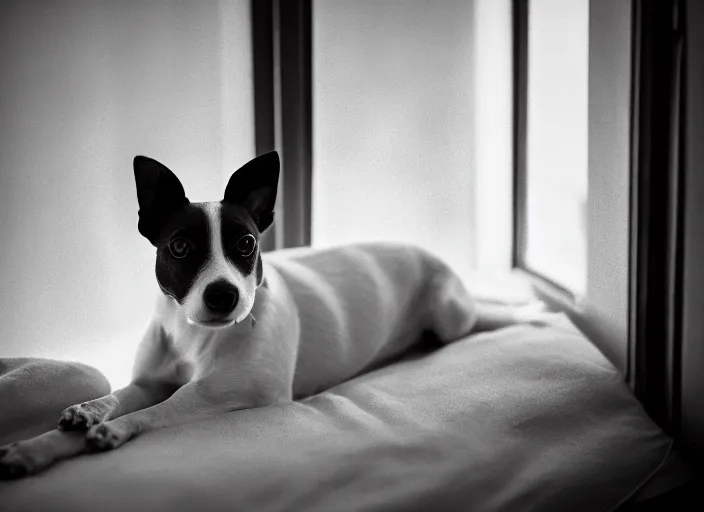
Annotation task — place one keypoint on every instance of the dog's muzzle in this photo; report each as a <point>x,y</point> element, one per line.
<point>221,297</point>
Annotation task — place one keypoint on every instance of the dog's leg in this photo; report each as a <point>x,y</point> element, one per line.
<point>135,396</point>
<point>153,368</point>
<point>153,361</point>
<point>455,313</point>
<point>33,455</point>
<point>192,402</point>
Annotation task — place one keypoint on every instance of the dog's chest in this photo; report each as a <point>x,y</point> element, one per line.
<point>189,350</point>
<point>199,351</point>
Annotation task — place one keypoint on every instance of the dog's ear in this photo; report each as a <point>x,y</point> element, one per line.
<point>253,186</point>
<point>159,193</point>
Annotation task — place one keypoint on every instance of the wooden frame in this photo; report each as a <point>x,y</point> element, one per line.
<point>282,52</point>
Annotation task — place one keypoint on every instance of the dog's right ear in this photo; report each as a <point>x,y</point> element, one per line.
<point>159,193</point>
<point>253,186</point>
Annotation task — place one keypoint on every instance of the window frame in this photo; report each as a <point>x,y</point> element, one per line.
<point>691,355</point>
<point>547,286</point>
<point>657,209</point>
<point>653,351</point>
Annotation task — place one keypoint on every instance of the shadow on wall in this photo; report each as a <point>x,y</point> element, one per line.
<point>86,85</point>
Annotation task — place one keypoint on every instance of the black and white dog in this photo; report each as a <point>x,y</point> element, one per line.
<point>235,329</point>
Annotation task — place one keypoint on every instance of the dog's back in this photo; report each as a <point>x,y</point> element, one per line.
<point>361,304</point>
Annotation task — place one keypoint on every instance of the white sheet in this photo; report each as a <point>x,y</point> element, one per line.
<point>524,418</point>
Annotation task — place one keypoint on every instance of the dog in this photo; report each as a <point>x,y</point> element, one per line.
<point>234,328</point>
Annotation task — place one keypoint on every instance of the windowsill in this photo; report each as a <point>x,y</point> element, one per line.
<point>506,287</point>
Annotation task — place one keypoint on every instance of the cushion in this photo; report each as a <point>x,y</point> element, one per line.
<point>523,418</point>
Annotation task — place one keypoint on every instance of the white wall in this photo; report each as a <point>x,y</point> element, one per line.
<point>412,126</point>
<point>85,86</point>
<point>493,135</point>
<point>605,306</point>
<point>393,145</point>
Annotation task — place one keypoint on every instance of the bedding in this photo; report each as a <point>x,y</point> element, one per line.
<point>524,418</point>
<point>34,391</point>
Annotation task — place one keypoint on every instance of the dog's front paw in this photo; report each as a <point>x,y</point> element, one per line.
<point>106,436</point>
<point>20,459</point>
<point>81,417</point>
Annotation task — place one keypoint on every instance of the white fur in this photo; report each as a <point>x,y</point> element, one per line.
<point>323,316</point>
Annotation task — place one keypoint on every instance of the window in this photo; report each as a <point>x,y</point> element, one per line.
<point>572,161</point>
<point>556,142</point>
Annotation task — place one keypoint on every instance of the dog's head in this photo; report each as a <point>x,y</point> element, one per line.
<point>208,255</point>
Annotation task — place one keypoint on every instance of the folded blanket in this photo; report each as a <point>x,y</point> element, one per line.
<point>524,418</point>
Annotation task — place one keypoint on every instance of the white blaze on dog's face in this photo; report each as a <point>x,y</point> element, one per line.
<point>208,256</point>
<point>227,271</point>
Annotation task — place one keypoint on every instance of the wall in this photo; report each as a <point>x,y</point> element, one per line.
<point>493,136</point>
<point>605,305</point>
<point>86,85</point>
<point>393,107</point>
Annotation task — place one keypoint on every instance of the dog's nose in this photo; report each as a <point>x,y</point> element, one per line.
<point>221,297</point>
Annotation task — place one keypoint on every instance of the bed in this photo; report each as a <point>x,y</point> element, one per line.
<point>524,418</point>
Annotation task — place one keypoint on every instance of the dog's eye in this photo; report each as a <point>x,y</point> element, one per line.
<point>179,247</point>
<point>245,245</point>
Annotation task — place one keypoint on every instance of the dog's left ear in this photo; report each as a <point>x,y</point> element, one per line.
<point>253,186</point>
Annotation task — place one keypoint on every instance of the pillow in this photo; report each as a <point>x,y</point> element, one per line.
<point>524,418</point>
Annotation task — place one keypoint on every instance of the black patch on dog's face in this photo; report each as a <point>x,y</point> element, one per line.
<point>177,275</point>
<point>236,222</point>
